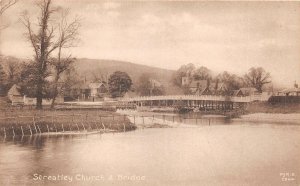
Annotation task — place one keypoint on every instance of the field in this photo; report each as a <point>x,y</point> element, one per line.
<point>15,122</point>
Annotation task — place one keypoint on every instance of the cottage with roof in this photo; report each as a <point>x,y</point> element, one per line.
<point>15,96</point>
<point>197,86</point>
<point>98,89</point>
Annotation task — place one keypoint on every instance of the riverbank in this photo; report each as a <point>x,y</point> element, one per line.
<point>274,118</point>
<point>30,122</point>
<point>266,107</point>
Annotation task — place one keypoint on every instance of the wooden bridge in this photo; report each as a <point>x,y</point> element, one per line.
<point>192,101</point>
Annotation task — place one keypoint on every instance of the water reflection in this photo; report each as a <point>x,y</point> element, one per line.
<point>206,155</point>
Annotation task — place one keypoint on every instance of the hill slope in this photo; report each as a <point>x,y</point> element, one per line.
<point>98,67</point>
<point>91,68</point>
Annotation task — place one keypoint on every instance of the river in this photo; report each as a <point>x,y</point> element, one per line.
<point>218,154</point>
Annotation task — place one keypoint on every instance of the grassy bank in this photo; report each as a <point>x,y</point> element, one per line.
<point>265,107</point>
<point>27,122</point>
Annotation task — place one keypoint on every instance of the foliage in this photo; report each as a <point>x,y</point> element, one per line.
<point>47,38</point>
<point>2,75</point>
<point>257,78</point>
<point>13,70</point>
<point>43,45</point>
<point>119,83</point>
<point>158,91</point>
<point>192,73</point>
<point>183,71</point>
<point>2,80</point>
<point>231,82</point>
<point>28,80</point>
<point>146,87</point>
<point>202,73</point>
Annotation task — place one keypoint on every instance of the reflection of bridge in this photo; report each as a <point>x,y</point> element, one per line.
<point>193,101</point>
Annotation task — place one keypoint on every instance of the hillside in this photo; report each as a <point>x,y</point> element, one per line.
<point>90,68</point>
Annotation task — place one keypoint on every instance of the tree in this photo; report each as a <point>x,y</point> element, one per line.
<point>183,71</point>
<point>13,73</point>
<point>257,78</point>
<point>28,79</point>
<point>100,76</point>
<point>60,66</point>
<point>231,81</point>
<point>148,87</point>
<point>202,73</point>
<point>42,44</point>
<point>119,83</point>
<point>2,81</point>
<point>144,85</point>
<point>68,35</point>
<point>158,91</point>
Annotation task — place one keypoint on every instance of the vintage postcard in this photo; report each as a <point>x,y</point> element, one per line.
<point>149,93</point>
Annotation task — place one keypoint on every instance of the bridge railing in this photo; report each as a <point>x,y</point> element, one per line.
<point>189,97</point>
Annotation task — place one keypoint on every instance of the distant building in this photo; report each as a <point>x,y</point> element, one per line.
<point>289,92</point>
<point>78,91</point>
<point>197,86</point>
<point>238,93</point>
<point>98,89</point>
<point>289,95</point>
<point>14,95</point>
<point>217,88</point>
<point>86,91</point>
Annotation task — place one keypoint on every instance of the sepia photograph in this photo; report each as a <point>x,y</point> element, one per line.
<point>149,93</point>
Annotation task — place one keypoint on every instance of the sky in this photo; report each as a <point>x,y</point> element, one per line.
<point>223,36</point>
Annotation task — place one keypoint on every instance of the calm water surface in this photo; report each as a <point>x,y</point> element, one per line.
<point>236,154</point>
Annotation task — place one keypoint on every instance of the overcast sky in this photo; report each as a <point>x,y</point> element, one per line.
<point>232,36</point>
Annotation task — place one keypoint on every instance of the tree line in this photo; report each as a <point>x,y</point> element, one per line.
<point>256,77</point>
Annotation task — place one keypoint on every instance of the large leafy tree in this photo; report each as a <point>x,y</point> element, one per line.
<point>28,79</point>
<point>183,71</point>
<point>147,88</point>
<point>119,83</point>
<point>257,78</point>
<point>202,73</point>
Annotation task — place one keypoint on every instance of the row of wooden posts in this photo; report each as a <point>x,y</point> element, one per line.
<point>34,128</point>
